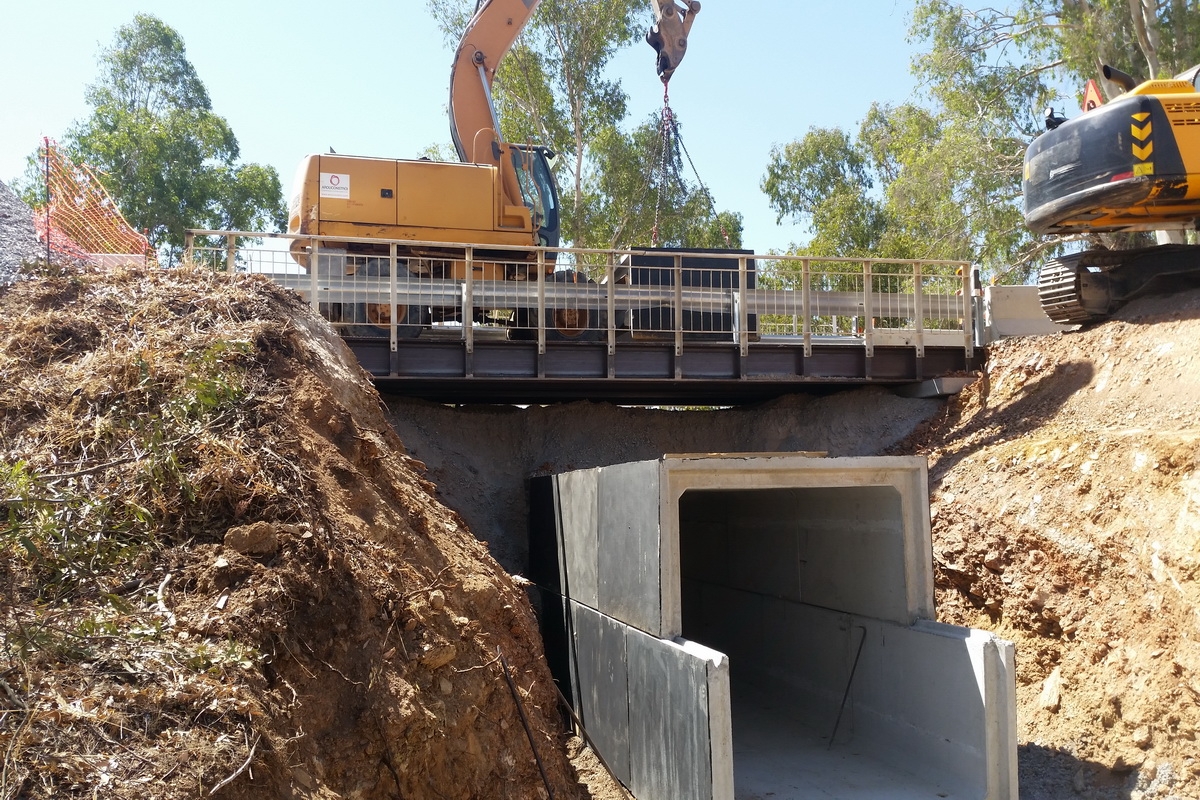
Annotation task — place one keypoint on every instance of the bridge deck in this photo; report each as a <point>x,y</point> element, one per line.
<point>527,325</point>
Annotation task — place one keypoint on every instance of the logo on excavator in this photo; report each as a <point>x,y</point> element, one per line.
<point>335,185</point>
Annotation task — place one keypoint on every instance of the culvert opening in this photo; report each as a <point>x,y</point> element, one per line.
<point>783,582</point>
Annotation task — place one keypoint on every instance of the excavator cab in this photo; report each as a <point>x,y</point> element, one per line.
<point>535,177</point>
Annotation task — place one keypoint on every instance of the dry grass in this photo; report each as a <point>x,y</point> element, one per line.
<point>124,433</point>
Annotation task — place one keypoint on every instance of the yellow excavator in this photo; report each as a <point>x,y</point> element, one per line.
<point>1132,164</point>
<point>500,194</point>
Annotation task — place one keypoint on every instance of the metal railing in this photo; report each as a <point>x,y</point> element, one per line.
<point>399,289</point>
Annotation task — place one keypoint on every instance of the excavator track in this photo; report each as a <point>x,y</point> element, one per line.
<point>1059,291</point>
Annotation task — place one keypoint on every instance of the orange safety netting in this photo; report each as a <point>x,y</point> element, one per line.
<point>82,221</point>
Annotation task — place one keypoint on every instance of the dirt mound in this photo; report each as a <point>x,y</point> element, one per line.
<point>221,574</point>
<point>1066,513</point>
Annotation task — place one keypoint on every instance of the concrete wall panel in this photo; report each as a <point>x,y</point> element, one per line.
<point>603,694</point>
<point>629,555</point>
<point>577,514</point>
<point>671,747</point>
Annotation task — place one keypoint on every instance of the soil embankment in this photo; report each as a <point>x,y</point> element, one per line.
<point>1066,516</point>
<point>222,576</point>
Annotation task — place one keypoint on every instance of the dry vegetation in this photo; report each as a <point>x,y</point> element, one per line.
<point>223,577</point>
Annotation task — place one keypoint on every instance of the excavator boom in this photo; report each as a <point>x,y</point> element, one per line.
<point>488,37</point>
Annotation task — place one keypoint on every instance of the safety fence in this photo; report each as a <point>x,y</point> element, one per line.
<point>399,289</point>
<point>81,221</point>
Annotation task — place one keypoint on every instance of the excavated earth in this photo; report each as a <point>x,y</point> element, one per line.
<point>225,575</point>
<point>1066,516</point>
<point>222,575</point>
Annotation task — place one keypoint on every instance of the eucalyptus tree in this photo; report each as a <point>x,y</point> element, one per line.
<point>553,88</point>
<point>165,157</point>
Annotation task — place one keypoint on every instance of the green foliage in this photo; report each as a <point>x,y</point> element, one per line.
<point>552,89</point>
<point>168,161</point>
<point>938,177</point>
<point>73,525</point>
<point>635,185</point>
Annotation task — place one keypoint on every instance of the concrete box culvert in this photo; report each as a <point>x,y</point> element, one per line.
<point>745,626</point>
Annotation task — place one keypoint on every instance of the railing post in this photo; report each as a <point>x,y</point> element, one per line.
<point>743,320</point>
<point>392,294</point>
<point>678,315</point>
<point>468,304</point>
<point>968,295</point>
<point>806,305</point>
<point>868,311</point>
<point>314,262</point>
<point>541,309</point>
<point>919,307</point>
<point>611,281</point>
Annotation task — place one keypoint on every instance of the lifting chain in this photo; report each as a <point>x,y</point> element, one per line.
<point>672,145</point>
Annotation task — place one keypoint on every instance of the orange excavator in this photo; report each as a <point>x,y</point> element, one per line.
<point>500,194</point>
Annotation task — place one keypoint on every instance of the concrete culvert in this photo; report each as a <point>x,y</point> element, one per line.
<point>750,626</point>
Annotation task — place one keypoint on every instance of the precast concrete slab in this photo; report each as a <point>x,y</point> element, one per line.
<point>601,685</point>
<point>805,580</point>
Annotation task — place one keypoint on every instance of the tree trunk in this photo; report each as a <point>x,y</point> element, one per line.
<point>1145,23</point>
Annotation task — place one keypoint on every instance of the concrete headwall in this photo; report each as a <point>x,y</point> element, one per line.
<point>805,578</point>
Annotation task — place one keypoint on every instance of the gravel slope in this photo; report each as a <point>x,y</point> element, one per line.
<point>18,240</point>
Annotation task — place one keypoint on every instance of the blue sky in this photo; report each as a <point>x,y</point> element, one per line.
<point>371,78</point>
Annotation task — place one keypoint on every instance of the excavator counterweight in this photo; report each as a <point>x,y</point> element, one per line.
<point>1132,164</point>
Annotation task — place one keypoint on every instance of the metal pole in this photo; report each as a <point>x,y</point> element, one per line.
<point>868,311</point>
<point>742,318</point>
<point>805,300</point>
<point>919,307</point>
<point>678,314</point>
<point>392,295</point>
<point>314,261</point>
<point>46,142</point>
<point>541,305</point>
<point>611,280</point>
<point>468,310</point>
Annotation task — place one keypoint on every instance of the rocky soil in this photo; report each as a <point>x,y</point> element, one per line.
<point>1066,516</point>
<point>222,575</point>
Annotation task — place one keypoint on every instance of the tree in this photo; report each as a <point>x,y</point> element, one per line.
<point>168,161</point>
<point>939,177</point>
<point>552,89</point>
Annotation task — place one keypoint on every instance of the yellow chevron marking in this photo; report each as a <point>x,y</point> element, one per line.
<point>1142,153</point>
<point>1144,169</point>
<point>1140,133</point>
<point>1142,116</point>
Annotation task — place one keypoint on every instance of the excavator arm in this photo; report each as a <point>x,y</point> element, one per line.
<point>488,37</point>
<point>668,37</point>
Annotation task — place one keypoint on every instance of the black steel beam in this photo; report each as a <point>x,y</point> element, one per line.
<point>644,372</point>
